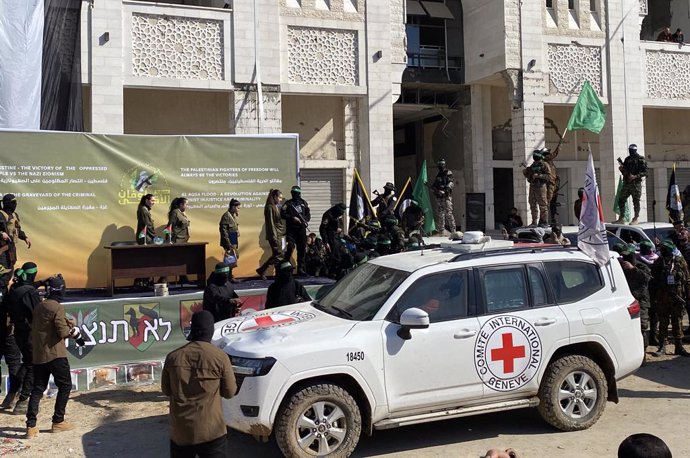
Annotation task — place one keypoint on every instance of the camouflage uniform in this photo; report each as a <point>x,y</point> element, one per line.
<point>537,176</point>
<point>634,165</point>
<point>552,183</point>
<point>443,188</point>
<point>670,277</point>
<point>638,280</point>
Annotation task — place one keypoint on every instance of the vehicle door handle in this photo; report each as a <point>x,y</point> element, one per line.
<point>465,334</point>
<point>545,322</point>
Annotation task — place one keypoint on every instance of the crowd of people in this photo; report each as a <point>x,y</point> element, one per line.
<point>332,252</point>
<point>659,279</point>
<point>33,329</point>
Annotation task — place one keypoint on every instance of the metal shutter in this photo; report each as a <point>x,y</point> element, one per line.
<point>321,188</point>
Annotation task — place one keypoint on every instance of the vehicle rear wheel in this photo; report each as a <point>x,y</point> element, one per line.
<point>573,393</point>
<point>319,420</point>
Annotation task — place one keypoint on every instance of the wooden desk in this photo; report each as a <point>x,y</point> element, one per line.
<point>144,261</point>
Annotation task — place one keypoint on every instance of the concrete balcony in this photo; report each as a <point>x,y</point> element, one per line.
<point>176,46</point>
<point>666,79</point>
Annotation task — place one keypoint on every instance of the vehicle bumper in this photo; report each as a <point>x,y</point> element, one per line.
<point>253,394</point>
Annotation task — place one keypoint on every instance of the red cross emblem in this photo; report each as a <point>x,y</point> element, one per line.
<point>508,353</point>
<point>266,321</point>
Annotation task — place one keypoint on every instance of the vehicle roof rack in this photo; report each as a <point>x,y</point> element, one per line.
<point>507,251</point>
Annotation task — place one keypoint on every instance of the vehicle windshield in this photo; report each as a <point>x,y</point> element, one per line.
<point>661,233</point>
<point>362,292</point>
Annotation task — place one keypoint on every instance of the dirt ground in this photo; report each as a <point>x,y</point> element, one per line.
<point>133,422</point>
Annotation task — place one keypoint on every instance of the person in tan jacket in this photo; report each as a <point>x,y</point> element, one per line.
<point>195,377</point>
<point>50,328</point>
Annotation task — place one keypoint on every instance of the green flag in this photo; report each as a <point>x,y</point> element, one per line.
<point>588,113</point>
<point>421,195</point>
<point>616,209</point>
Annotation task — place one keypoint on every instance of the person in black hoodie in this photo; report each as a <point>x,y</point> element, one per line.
<point>219,296</point>
<point>22,299</point>
<point>285,290</point>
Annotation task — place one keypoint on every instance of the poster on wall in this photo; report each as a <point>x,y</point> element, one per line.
<point>78,193</point>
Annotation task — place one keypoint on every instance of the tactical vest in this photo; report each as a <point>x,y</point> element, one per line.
<point>11,221</point>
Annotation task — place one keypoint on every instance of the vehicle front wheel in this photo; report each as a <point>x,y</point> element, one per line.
<point>319,420</point>
<point>573,393</point>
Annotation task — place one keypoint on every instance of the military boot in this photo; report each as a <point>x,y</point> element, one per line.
<point>635,220</point>
<point>619,220</point>
<point>662,349</point>
<point>680,350</point>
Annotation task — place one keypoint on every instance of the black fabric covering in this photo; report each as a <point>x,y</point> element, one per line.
<point>61,94</point>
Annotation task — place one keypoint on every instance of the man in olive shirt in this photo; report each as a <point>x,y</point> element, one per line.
<point>195,377</point>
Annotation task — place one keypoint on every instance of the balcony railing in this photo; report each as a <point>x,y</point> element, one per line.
<point>433,57</point>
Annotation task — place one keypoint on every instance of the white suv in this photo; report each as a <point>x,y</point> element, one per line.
<point>423,336</point>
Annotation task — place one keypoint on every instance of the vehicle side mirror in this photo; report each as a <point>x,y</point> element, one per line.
<point>413,318</point>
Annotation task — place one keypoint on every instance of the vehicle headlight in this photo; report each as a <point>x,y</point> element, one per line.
<point>252,367</point>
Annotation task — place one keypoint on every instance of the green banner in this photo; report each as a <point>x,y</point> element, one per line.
<point>127,339</point>
<point>77,193</point>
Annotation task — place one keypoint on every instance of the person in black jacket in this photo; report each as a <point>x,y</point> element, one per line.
<point>296,214</point>
<point>8,348</point>
<point>330,223</point>
<point>22,299</point>
<point>219,296</point>
<point>285,290</point>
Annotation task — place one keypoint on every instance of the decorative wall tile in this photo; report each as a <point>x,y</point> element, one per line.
<point>668,75</point>
<point>323,56</point>
<point>571,65</point>
<point>177,47</point>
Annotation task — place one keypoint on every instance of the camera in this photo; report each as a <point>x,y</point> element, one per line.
<point>75,333</point>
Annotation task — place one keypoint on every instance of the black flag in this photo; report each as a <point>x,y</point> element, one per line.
<point>360,205</point>
<point>404,199</point>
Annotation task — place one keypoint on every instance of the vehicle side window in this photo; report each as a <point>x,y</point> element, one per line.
<point>573,281</point>
<point>629,236</point>
<point>443,296</point>
<point>504,289</point>
<point>536,282</point>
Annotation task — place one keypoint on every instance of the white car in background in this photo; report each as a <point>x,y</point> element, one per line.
<point>642,231</point>
<point>418,337</point>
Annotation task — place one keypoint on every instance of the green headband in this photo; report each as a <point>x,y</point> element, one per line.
<point>222,270</point>
<point>21,273</point>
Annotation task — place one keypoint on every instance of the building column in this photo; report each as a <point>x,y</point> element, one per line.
<point>376,109</point>
<point>107,98</point>
<point>245,115</point>
<point>351,134</point>
<point>624,122</point>
<point>528,134</point>
<point>478,157</point>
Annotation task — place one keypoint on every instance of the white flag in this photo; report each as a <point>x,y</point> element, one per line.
<point>591,238</point>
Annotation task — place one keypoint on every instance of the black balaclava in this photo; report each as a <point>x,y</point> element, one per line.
<point>202,327</point>
<point>56,288</point>
<point>284,273</point>
<point>9,203</point>
<point>666,248</point>
<point>221,274</point>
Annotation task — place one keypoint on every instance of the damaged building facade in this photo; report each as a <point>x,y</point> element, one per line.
<point>509,87</point>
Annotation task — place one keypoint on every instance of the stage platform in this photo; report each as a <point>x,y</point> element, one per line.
<point>242,284</point>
